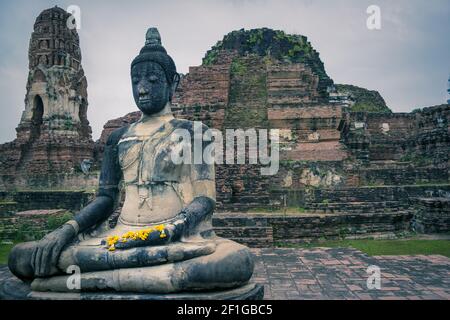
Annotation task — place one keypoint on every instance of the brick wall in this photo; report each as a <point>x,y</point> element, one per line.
<point>33,200</point>
<point>432,215</point>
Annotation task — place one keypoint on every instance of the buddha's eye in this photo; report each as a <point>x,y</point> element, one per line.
<point>135,80</point>
<point>153,78</point>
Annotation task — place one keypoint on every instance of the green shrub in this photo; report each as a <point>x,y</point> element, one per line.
<point>56,221</point>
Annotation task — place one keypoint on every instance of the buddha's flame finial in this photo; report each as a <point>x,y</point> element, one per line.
<point>152,37</point>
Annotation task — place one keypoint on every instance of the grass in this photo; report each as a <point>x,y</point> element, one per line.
<point>5,202</point>
<point>4,252</point>
<point>385,247</point>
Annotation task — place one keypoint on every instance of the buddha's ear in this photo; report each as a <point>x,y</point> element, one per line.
<point>175,83</point>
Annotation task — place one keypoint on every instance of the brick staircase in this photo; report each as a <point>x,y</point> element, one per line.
<point>248,230</point>
<point>264,230</point>
<point>350,213</point>
<point>399,172</point>
<point>369,200</point>
<point>243,203</point>
<point>358,207</point>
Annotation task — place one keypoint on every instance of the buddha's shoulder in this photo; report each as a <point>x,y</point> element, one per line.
<point>116,135</point>
<point>191,126</point>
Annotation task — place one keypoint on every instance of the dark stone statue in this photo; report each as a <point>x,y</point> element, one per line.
<point>163,242</point>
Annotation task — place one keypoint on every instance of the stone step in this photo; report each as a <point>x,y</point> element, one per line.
<point>254,242</point>
<point>379,194</point>
<point>7,208</point>
<point>403,175</point>
<point>7,233</point>
<point>227,221</point>
<point>361,211</point>
<point>249,228</point>
<point>239,208</point>
<point>251,199</point>
<point>356,203</point>
<point>244,232</point>
<point>7,213</point>
<point>383,206</point>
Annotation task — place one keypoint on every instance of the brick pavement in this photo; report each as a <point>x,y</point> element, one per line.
<point>340,273</point>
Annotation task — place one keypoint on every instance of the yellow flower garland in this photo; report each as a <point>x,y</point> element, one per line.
<point>134,235</point>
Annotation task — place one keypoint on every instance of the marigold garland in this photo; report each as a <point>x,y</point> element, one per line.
<point>135,235</point>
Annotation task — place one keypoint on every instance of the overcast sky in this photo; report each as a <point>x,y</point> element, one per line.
<point>407,61</point>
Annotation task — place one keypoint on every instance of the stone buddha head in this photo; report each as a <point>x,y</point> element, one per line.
<point>153,75</point>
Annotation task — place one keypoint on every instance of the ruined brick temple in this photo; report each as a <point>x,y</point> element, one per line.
<point>53,136</point>
<point>350,167</point>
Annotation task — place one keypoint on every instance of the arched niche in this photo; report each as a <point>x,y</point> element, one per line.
<point>37,117</point>
<point>39,76</point>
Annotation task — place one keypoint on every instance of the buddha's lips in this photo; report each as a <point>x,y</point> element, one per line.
<point>144,99</point>
<point>144,95</point>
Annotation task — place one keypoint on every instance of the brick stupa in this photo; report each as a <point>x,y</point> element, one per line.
<point>53,136</point>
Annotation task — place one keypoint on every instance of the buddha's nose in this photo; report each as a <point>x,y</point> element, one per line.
<point>142,90</point>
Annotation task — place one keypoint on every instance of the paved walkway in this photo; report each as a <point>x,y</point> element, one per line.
<point>341,273</point>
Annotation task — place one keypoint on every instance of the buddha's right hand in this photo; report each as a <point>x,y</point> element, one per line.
<point>46,254</point>
<point>153,239</point>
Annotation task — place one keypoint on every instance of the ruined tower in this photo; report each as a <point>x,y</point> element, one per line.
<point>53,136</point>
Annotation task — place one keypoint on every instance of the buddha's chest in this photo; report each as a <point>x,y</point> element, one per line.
<point>149,159</point>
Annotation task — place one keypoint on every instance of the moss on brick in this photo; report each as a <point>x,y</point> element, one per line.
<point>274,44</point>
<point>365,100</point>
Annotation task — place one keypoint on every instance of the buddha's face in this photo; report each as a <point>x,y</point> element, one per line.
<point>151,90</point>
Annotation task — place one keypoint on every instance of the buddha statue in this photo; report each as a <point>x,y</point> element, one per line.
<point>163,242</point>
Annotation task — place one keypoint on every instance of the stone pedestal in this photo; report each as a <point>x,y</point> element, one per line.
<point>14,289</point>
